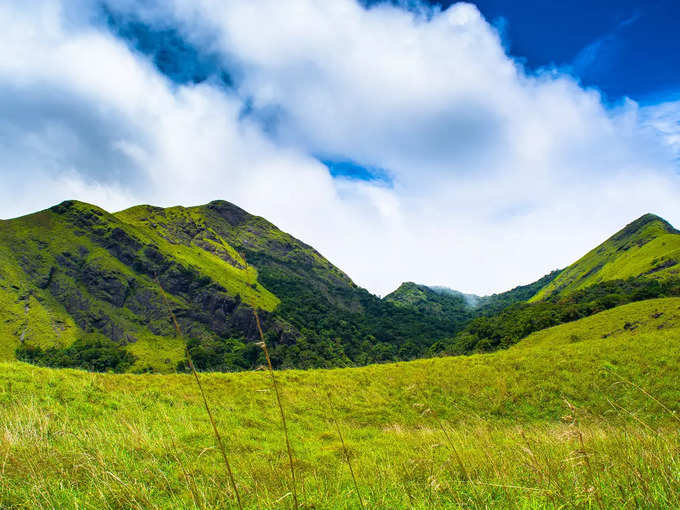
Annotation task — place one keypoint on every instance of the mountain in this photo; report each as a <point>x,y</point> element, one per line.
<point>78,273</point>
<point>445,301</point>
<point>648,247</point>
<point>637,263</point>
<point>472,300</point>
<point>83,287</point>
<point>440,301</point>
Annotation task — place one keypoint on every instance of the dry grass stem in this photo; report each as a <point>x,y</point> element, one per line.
<point>216,432</point>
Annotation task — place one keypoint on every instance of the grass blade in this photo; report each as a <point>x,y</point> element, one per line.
<point>216,432</point>
<point>263,345</point>
<point>344,449</point>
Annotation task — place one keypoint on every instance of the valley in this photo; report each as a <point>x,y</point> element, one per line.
<point>562,393</point>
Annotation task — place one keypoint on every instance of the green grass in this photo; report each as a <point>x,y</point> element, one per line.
<point>32,253</point>
<point>492,430</point>
<point>162,228</point>
<point>647,247</point>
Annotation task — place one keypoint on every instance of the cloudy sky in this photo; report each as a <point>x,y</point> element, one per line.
<point>472,146</point>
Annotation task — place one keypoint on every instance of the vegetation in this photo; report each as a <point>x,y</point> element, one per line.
<point>75,271</point>
<point>583,415</point>
<point>332,336</point>
<point>490,305</point>
<point>648,247</point>
<point>99,355</point>
<point>506,328</point>
<point>440,301</point>
<point>445,302</point>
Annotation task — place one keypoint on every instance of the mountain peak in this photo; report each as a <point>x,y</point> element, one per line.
<point>76,206</point>
<point>648,246</point>
<point>660,226</point>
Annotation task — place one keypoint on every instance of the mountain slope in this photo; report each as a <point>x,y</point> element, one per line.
<point>339,323</point>
<point>648,247</point>
<point>76,271</point>
<point>432,300</point>
<point>80,287</point>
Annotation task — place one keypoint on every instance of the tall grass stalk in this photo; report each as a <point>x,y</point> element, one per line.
<point>573,418</point>
<point>284,425</point>
<point>263,345</point>
<point>344,449</point>
<point>647,394</point>
<point>216,432</point>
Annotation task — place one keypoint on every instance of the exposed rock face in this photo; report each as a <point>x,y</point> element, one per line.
<point>106,273</point>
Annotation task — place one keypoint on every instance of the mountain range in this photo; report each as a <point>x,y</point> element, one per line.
<point>83,287</point>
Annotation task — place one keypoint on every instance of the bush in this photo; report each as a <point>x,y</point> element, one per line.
<point>98,355</point>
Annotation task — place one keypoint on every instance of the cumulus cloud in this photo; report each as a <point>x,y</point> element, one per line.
<point>497,174</point>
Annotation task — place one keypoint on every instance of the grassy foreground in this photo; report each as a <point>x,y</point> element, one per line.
<point>584,415</point>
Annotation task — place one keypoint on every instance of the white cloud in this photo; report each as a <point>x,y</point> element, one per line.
<point>498,175</point>
<point>663,121</point>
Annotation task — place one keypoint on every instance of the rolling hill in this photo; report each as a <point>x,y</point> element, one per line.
<point>581,415</point>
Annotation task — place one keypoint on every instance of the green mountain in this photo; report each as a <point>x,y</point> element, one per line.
<point>82,287</point>
<point>444,301</point>
<point>636,264</point>
<point>439,301</point>
<point>648,247</point>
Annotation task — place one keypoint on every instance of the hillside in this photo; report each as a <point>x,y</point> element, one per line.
<point>84,288</point>
<point>648,247</point>
<point>434,301</point>
<point>81,287</point>
<point>489,430</point>
<point>449,302</point>
<point>76,272</point>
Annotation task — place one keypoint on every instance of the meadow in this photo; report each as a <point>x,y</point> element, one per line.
<point>582,415</point>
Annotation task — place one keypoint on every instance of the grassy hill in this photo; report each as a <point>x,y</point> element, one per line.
<point>77,272</point>
<point>80,287</point>
<point>648,247</point>
<point>490,430</point>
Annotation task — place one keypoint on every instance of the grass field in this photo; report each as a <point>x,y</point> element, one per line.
<point>584,415</point>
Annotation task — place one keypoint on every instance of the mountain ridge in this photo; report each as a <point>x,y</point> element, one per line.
<point>77,273</point>
<point>648,246</point>
<point>410,294</point>
<point>83,287</point>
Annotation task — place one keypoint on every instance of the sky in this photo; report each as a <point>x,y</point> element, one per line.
<point>474,146</point>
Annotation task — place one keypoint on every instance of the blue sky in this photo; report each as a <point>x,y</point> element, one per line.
<point>625,47</point>
<point>476,146</point>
